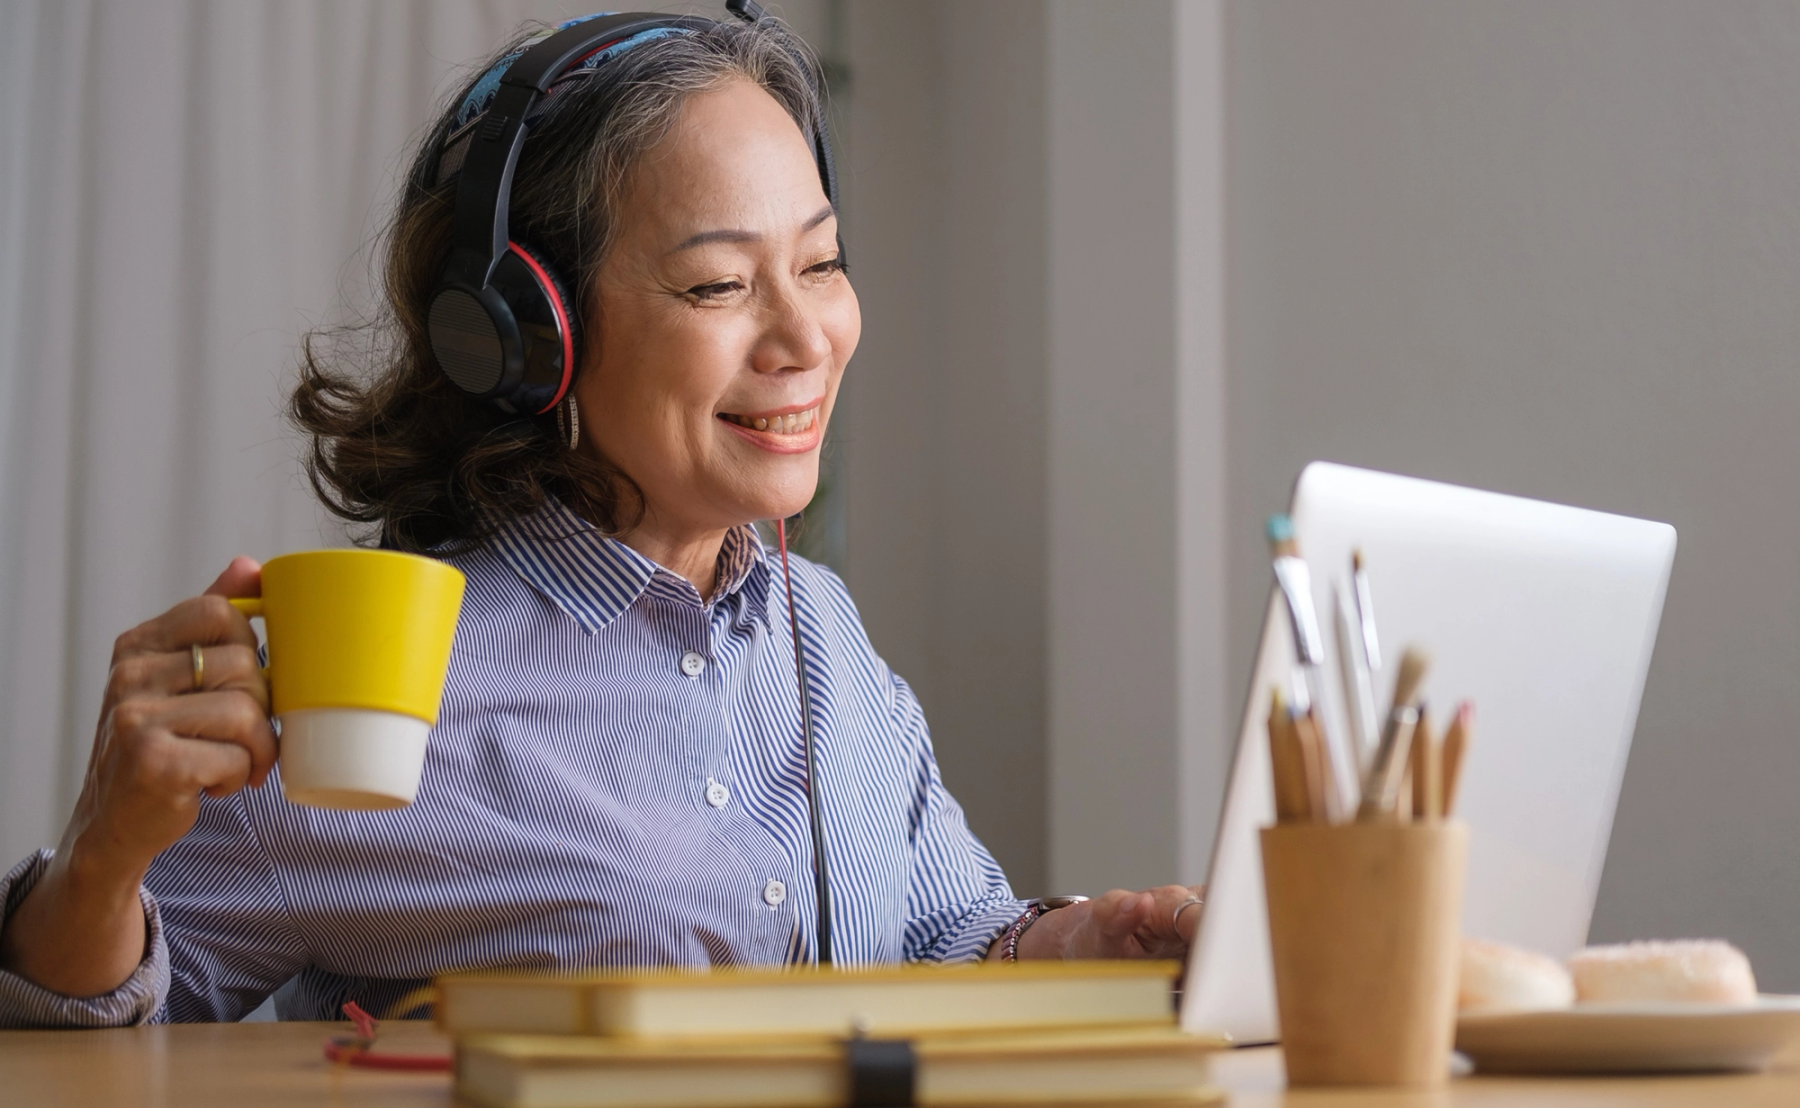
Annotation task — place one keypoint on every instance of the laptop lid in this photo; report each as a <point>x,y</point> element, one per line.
<point>1544,616</point>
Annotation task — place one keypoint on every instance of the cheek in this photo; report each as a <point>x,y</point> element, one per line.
<point>651,385</point>
<point>843,325</point>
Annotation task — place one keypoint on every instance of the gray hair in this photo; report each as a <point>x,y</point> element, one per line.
<point>593,125</point>
<point>395,445</point>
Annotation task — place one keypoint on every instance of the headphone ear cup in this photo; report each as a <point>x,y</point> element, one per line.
<point>473,338</point>
<point>548,330</point>
<point>550,283</point>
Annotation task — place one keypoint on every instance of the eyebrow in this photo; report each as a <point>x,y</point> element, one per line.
<point>731,235</point>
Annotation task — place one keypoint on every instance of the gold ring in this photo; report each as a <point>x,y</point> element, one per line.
<point>199,658</point>
<point>1184,906</point>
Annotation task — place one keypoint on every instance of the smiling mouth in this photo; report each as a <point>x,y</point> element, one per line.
<point>791,423</point>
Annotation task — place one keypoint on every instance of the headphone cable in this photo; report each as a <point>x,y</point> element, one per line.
<point>821,875</point>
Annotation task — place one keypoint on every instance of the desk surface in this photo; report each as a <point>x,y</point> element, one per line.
<point>279,1064</point>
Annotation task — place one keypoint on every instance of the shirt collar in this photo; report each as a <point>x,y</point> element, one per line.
<point>593,579</point>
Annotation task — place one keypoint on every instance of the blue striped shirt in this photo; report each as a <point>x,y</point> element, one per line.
<point>587,800</point>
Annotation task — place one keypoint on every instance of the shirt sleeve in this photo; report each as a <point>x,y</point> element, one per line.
<point>25,1004</point>
<point>232,942</point>
<point>957,899</point>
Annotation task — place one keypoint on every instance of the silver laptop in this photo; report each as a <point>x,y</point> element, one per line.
<point>1545,617</point>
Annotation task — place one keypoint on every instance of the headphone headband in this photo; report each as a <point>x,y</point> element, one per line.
<point>478,232</point>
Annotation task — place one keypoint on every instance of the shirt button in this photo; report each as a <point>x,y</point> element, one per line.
<point>774,893</point>
<point>693,664</point>
<point>716,794</point>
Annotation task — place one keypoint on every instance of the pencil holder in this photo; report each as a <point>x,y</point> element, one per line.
<point>1364,928</point>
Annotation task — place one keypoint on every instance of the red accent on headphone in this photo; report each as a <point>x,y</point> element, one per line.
<point>562,322</point>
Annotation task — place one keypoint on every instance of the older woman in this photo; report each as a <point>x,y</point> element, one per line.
<point>617,777</point>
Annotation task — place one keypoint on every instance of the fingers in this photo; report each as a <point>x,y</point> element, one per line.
<point>1187,913</point>
<point>1168,922</point>
<point>207,620</point>
<point>216,741</point>
<point>243,577</point>
<point>230,666</point>
<point>1141,924</point>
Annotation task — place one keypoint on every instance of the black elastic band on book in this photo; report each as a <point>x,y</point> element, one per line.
<point>881,1072</point>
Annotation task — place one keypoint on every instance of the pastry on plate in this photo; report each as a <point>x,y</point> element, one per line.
<point>1708,971</point>
<point>1500,978</point>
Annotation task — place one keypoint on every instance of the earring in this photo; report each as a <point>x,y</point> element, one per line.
<point>568,418</point>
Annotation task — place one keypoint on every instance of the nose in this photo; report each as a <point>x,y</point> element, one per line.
<point>794,337</point>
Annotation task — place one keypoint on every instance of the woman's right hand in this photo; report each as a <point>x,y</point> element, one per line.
<point>162,742</point>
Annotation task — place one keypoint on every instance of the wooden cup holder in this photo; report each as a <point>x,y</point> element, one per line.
<point>1365,928</point>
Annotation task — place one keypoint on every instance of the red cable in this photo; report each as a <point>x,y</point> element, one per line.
<point>345,1051</point>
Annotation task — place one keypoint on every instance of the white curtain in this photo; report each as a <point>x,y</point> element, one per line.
<point>185,189</point>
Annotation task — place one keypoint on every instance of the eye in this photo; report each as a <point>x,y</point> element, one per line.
<point>715,290</point>
<point>833,264</point>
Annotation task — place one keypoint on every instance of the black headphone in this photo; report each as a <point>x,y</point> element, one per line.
<point>502,326</point>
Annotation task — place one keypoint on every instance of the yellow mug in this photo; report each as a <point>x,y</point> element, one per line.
<point>359,642</point>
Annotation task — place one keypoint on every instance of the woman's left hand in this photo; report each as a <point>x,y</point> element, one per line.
<point>1121,924</point>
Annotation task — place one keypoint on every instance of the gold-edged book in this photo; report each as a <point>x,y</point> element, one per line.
<point>1120,1066</point>
<point>879,1001</point>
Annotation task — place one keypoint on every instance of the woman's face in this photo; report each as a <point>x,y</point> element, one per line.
<point>723,320</point>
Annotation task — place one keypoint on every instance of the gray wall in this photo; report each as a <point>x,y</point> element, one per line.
<point>1553,248</point>
<point>1542,247</point>
<point>942,421</point>
<point>1032,541</point>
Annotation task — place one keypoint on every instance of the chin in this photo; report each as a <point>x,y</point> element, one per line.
<point>774,505</point>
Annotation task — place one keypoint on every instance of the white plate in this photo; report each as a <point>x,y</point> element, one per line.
<point>1621,1037</point>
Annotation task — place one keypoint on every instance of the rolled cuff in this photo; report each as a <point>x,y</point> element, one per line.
<point>972,935</point>
<point>24,1004</point>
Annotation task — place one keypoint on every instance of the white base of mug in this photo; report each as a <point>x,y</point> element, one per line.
<point>354,759</point>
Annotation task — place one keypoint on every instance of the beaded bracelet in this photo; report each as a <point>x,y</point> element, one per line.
<point>1009,938</point>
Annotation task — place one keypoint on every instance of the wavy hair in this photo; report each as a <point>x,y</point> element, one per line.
<point>398,448</point>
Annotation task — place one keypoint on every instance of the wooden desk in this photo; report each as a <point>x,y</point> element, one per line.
<point>280,1064</point>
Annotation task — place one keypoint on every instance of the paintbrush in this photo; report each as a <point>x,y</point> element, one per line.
<point>1365,611</point>
<point>1294,580</point>
<point>1358,681</point>
<point>1381,784</point>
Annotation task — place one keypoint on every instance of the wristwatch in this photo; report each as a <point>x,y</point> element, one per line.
<point>1009,939</point>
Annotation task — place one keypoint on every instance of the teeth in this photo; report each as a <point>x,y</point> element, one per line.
<point>781,425</point>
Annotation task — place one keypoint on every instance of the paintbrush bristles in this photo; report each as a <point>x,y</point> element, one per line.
<point>1279,530</point>
<point>1413,665</point>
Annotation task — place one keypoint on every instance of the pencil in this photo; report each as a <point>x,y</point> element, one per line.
<point>1456,748</point>
<point>1287,765</point>
<point>1321,782</point>
<point>1427,772</point>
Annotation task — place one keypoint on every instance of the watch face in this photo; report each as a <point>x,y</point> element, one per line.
<point>1051,903</point>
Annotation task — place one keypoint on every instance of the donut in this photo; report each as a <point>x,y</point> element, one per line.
<point>1709,971</point>
<point>1497,977</point>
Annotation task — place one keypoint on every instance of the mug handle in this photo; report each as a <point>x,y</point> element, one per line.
<point>252,607</point>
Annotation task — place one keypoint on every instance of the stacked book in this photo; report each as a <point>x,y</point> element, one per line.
<point>991,1034</point>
